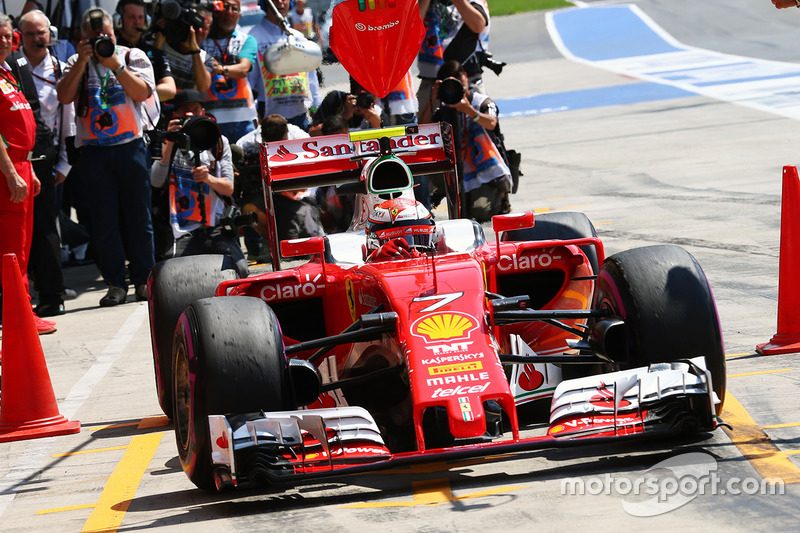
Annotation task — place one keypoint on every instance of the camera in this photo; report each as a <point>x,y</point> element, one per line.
<point>451,91</point>
<point>226,84</point>
<point>197,133</point>
<point>486,60</point>
<point>155,142</point>
<point>232,219</point>
<point>101,43</point>
<point>178,20</point>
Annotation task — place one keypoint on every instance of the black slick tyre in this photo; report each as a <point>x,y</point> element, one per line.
<point>229,358</point>
<point>174,284</point>
<point>664,297</point>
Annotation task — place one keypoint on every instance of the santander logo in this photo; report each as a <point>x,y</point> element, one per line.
<point>283,156</point>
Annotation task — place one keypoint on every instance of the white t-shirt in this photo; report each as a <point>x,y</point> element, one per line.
<point>290,95</point>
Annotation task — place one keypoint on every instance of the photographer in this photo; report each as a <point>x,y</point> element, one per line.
<point>198,179</point>
<point>473,115</point>
<point>110,84</point>
<point>455,30</point>
<point>296,213</point>
<point>234,52</point>
<point>133,22</point>
<point>179,32</point>
<point>292,95</point>
<point>358,111</point>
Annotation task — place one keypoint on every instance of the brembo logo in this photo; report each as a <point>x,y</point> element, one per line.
<point>367,27</point>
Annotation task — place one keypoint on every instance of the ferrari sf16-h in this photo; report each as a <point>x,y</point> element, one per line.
<point>407,339</point>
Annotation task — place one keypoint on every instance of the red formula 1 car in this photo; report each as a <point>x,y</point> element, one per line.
<point>352,361</point>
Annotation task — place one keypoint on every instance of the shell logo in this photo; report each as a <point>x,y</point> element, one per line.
<point>444,326</point>
<point>556,429</point>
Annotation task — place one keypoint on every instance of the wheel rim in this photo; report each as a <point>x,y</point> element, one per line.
<point>182,398</point>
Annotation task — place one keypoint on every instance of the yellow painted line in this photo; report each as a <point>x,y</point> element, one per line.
<point>490,492</point>
<point>732,355</point>
<point>90,451</point>
<point>542,210</point>
<point>777,426</point>
<point>755,445</point>
<point>602,223</point>
<point>743,374</point>
<point>791,452</point>
<point>62,509</point>
<point>122,484</point>
<point>432,492</point>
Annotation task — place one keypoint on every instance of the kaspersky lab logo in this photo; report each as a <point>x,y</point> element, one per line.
<point>366,27</point>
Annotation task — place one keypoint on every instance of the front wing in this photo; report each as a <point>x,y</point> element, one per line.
<point>658,400</point>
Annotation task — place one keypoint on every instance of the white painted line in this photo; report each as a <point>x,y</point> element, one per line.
<point>761,84</point>
<point>38,450</point>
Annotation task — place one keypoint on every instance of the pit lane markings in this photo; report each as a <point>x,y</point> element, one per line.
<point>37,450</point>
<point>758,373</point>
<point>622,39</point>
<point>435,491</point>
<point>769,461</point>
<point>112,505</point>
<point>780,426</point>
<point>742,354</point>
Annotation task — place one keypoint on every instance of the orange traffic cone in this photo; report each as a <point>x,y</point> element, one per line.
<point>787,339</point>
<point>28,407</point>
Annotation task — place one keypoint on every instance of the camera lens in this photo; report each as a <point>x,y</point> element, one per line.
<point>451,91</point>
<point>103,46</point>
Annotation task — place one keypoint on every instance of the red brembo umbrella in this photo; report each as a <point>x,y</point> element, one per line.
<point>377,40</point>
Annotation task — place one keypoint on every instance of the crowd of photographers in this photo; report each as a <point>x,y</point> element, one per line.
<point>151,176</point>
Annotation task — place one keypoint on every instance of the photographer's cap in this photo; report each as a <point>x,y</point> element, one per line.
<point>187,96</point>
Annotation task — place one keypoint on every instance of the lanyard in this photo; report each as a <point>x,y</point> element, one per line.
<point>103,85</point>
<point>7,75</point>
<point>224,53</point>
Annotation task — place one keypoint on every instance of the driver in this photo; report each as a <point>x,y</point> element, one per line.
<point>400,228</point>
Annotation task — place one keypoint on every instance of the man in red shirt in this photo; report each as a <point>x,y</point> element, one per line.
<point>17,138</point>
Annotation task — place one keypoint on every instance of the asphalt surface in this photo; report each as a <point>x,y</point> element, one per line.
<point>687,170</point>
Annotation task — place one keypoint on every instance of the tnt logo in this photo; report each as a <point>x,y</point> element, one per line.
<point>456,347</point>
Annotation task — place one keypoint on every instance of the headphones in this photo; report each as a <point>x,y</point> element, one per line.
<point>117,16</point>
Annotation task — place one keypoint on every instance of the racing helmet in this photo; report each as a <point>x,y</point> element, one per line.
<point>401,218</point>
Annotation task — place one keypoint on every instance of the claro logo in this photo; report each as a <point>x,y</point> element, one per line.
<point>367,27</point>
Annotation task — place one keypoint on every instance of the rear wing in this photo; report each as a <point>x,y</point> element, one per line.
<point>338,160</point>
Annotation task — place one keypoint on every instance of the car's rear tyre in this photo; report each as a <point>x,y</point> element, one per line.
<point>174,284</point>
<point>560,225</point>
<point>229,358</point>
<point>664,297</point>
